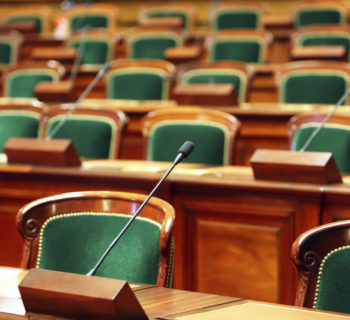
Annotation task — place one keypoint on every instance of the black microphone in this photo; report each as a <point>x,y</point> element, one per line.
<point>92,84</point>
<point>325,120</point>
<point>183,152</point>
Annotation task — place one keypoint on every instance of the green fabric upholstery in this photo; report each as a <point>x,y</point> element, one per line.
<point>96,52</point>
<point>7,56</point>
<point>21,83</point>
<point>333,293</point>
<point>318,16</point>
<point>152,46</point>
<point>17,123</point>
<point>75,242</point>
<point>174,13</point>
<point>210,140</point>
<point>91,21</point>
<point>210,75</point>
<point>321,87</point>
<point>92,136</point>
<point>245,50</point>
<point>332,138</point>
<point>137,84</point>
<point>236,19</point>
<point>37,20</point>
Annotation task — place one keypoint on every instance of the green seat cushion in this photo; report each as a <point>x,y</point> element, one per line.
<point>92,136</point>
<point>333,293</point>
<point>17,124</point>
<point>137,85</point>
<point>236,50</point>
<point>6,53</point>
<point>90,21</point>
<point>151,47</point>
<point>95,52</point>
<point>210,141</point>
<point>310,17</point>
<point>325,88</point>
<point>75,242</point>
<point>177,14</point>
<point>244,19</point>
<point>332,138</point>
<point>36,20</point>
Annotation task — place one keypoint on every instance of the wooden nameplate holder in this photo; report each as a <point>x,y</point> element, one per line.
<point>51,91</point>
<point>55,152</point>
<point>183,54</point>
<point>223,94</point>
<point>319,53</point>
<point>295,166</point>
<point>78,296</point>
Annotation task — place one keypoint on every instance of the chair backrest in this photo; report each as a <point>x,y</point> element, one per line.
<point>9,48</point>
<point>139,79</point>
<point>185,11</point>
<point>40,15</point>
<point>93,16</point>
<point>151,44</point>
<point>323,36</point>
<point>97,47</point>
<point>322,258</point>
<point>95,133</point>
<point>312,81</point>
<point>18,121</point>
<point>334,137</point>
<point>238,74</point>
<point>318,12</point>
<point>21,79</point>
<point>71,231</point>
<point>213,133</point>
<point>242,45</point>
<point>237,15</point>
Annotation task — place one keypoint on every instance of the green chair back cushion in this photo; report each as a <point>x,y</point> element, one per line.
<point>332,138</point>
<point>37,20</point>
<point>21,84</point>
<point>6,53</point>
<point>75,242</point>
<point>90,21</point>
<point>240,19</point>
<point>92,137</point>
<point>236,50</point>
<point>177,14</point>
<point>137,85</point>
<point>333,293</point>
<point>210,140</point>
<point>310,17</point>
<point>326,88</point>
<point>95,52</point>
<point>17,124</point>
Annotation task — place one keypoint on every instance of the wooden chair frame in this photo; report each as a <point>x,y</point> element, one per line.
<point>31,217</point>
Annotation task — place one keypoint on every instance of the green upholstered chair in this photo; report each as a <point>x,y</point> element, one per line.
<point>312,82</point>
<point>230,15</point>
<point>139,80</point>
<point>93,16</point>
<point>322,258</point>
<point>21,79</point>
<point>213,133</point>
<point>72,230</point>
<point>9,48</point>
<point>323,36</point>
<point>150,44</point>
<point>334,137</point>
<point>308,13</point>
<point>237,73</point>
<point>95,133</point>
<point>18,121</point>
<point>245,45</point>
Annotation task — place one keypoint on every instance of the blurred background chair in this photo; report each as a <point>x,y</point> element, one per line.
<point>334,137</point>
<point>316,12</point>
<point>10,44</point>
<point>322,258</point>
<point>322,82</point>
<point>243,45</point>
<point>95,133</point>
<point>73,230</point>
<point>237,73</point>
<point>21,79</point>
<point>18,121</point>
<point>237,15</point>
<point>139,79</point>
<point>92,16</point>
<point>151,44</point>
<point>213,133</point>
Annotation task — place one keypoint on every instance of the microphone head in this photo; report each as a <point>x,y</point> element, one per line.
<point>186,148</point>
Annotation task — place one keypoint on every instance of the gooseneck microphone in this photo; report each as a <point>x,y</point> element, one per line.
<point>183,152</point>
<point>325,120</point>
<point>92,84</point>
